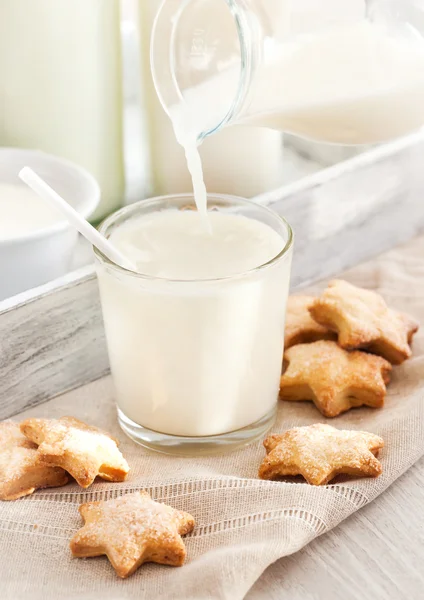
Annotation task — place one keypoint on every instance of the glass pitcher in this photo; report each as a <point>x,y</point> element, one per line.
<point>351,72</point>
<point>247,173</point>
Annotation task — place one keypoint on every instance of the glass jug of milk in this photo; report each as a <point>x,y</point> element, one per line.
<point>351,72</point>
<point>244,161</point>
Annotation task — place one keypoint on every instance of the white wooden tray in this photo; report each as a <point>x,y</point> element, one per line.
<point>52,339</point>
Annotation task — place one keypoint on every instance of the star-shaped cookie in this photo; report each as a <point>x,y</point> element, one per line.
<point>362,319</point>
<point>300,326</point>
<point>320,452</point>
<point>334,379</point>
<point>132,530</point>
<point>83,450</point>
<point>21,469</point>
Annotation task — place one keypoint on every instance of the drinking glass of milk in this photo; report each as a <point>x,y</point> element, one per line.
<point>195,335</point>
<point>339,71</point>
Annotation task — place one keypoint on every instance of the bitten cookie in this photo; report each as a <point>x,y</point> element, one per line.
<point>334,379</point>
<point>83,450</point>
<point>300,326</point>
<point>132,530</point>
<point>362,319</point>
<point>320,452</point>
<point>21,469</point>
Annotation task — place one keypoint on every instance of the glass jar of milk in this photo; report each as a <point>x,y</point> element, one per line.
<point>339,71</point>
<point>245,162</point>
<point>195,335</point>
<point>60,85</point>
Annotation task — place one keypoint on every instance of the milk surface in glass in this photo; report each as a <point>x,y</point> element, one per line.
<point>195,344</point>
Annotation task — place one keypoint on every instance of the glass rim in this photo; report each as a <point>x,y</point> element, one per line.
<point>111,220</point>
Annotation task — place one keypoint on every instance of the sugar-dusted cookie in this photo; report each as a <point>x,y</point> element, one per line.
<point>320,452</point>
<point>362,319</point>
<point>301,328</point>
<point>334,379</point>
<point>84,451</point>
<point>21,469</point>
<point>132,530</point>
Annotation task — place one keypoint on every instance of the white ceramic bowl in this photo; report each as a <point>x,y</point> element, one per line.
<point>40,256</point>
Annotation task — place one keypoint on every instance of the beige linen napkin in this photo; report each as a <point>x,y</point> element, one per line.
<point>243,524</point>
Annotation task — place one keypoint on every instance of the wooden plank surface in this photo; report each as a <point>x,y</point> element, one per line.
<point>355,210</point>
<point>376,554</point>
<point>50,341</point>
<point>52,338</point>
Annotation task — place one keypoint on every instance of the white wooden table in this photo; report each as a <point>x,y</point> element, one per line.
<point>376,554</point>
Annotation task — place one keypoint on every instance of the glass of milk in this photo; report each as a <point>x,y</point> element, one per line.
<point>195,336</point>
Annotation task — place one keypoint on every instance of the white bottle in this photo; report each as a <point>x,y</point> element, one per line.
<point>244,161</point>
<point>60,85</point>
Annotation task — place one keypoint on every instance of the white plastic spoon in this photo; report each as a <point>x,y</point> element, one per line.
<point>95,238</point>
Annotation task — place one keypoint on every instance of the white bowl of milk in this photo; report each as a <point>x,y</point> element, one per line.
<point>36,242</point>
